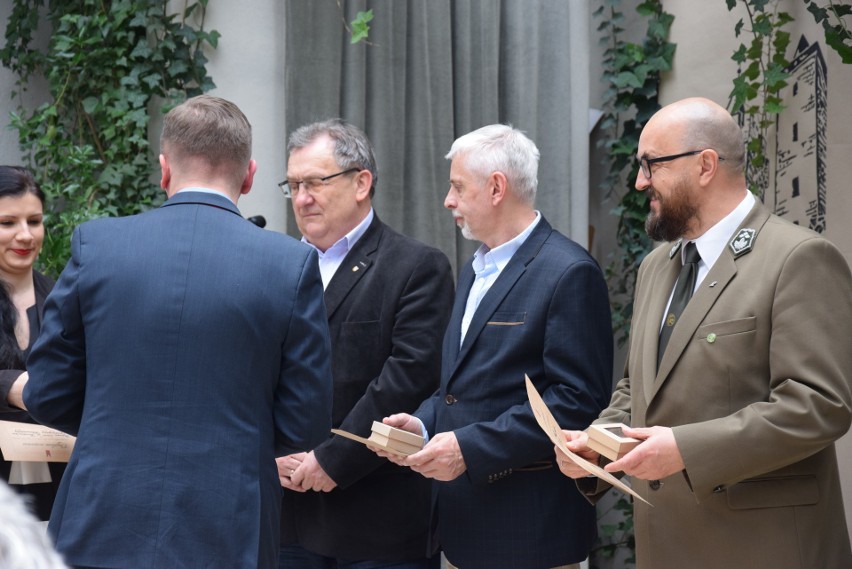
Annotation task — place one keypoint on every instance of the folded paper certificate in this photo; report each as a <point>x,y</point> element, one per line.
<point>549,425</point>
<point>34,443</point>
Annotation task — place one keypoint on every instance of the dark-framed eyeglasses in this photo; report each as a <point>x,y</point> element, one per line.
<point>290,188</point>
<point>645,163</point>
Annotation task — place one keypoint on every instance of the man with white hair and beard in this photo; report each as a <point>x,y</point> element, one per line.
<point>530,302</point>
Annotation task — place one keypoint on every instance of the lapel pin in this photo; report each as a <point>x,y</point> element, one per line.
<point>713,284</point>
<point>355,269</point>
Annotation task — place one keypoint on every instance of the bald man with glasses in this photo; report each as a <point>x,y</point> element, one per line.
<point>738,384</point>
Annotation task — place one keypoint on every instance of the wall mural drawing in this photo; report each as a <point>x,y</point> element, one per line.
<point>800,139</point>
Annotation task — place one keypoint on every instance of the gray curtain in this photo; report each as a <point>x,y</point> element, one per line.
<point>434,70</point>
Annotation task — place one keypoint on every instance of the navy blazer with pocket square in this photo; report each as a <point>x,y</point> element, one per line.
<point>546,316</point>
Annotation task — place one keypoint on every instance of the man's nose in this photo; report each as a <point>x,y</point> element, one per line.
<point>450,200</point>
<point>642,182</point>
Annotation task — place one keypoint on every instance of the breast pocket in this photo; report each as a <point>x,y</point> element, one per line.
<point>719,330</point>
<point>507,319</point>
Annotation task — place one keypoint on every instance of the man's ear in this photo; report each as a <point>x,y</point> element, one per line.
<point>249,179</point>
<point>363,183</point>
<point>709,164</point>
<point>166,173</point>
<point>497,187</point>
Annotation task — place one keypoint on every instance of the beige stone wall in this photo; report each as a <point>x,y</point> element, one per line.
<point>704,34</point>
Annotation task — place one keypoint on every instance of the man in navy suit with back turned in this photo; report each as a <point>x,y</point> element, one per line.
<point>388,299</point>
<point>186,348</point>
<point>530,302</point>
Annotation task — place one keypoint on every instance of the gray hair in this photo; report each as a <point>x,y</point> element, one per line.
<point>210,129</point>
<point>24,544</point>
<point>352,148</point>
<point>501,148</point>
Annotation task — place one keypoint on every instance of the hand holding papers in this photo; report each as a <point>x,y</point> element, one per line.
<point>390,439</point>
<point>547,422</point>
<point>609,440</point>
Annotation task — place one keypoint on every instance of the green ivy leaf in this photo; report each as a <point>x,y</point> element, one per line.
<point>774,108</point>
<point>836,39</point>
<point>775,77</point>
<point>360,26</point>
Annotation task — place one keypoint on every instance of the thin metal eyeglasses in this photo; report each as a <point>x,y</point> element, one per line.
<point>645,163</point>
<point>290,188</point>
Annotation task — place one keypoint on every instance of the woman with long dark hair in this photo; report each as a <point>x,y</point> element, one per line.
<point>22,294</point>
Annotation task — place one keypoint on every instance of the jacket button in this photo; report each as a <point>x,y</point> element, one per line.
<point>655,485</point>
<point>450,399</point>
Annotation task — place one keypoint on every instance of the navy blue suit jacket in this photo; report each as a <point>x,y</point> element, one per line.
<point>547,316</point>
<point>185,347</point>
<point>388,306</point>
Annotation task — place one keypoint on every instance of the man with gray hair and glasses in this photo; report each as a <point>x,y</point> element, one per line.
<point>388,298</point>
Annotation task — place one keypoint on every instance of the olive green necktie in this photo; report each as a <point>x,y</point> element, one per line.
<point>682,293</point>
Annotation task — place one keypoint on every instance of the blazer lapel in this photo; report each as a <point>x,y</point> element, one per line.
<point>453,334</point>
<point>354,266</point>
<point>717,279</point>
<point>513,271</point>
<point>663,278</point>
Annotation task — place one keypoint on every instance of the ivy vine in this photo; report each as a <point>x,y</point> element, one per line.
<point>632,75</point>
<point>107,66</point>
<point>832,19</point>
<point>757,88</point>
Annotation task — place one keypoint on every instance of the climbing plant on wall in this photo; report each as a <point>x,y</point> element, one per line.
<point>763,73</point>
<point>109,67</point>
<point>632,76</point>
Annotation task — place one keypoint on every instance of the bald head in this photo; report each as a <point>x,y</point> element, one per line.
<point>700,123</point>
<point>693,168</point>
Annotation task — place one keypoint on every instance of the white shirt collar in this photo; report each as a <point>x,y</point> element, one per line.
<point>713,242</point>
<point>345,243</point>
<point>498,257</point>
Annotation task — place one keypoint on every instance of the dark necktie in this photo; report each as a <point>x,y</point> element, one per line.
<point>682,293</point>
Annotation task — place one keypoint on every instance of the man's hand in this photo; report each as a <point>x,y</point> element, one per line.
<point>655,458</point>
<point>402,421</point>
<point>310,476</point>
<point>578,443</point>
<point>440,459</point>
<point>287,466</point>
<point>15,397</point>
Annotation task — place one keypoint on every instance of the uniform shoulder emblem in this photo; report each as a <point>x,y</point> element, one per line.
<point>742,242</point>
